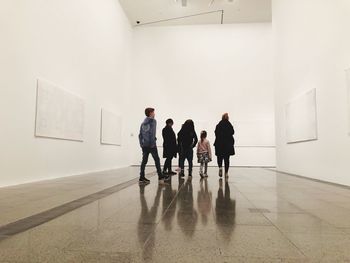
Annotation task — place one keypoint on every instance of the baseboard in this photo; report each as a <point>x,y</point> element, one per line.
<point>234,166</point>
<point>310,179</point>
<point>44,179</point>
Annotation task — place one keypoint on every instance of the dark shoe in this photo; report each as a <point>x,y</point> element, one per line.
<point>220,172</point>
<point>172,173</point>
<point>144,180</point>
<point>182,174</point>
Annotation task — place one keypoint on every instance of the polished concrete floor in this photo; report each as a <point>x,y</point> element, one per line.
<point>257,215</point>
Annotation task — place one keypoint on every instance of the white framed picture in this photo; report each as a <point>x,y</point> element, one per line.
<point>347,72</point>
<point>301,118</point>
<point>111,128</point>
<point>59,113</point>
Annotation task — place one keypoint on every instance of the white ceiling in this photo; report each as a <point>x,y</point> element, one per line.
<point>235,11</point>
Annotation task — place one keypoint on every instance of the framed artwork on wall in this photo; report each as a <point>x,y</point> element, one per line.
<point>301,118</point>
<point>59,113</point>
<point>111,128</point>
<point>348,93</point>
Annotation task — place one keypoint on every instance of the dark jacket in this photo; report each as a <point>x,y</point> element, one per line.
<point>169,142</point>
<point>147,135</point>
<point>224,141</point>
<point>187,139</point>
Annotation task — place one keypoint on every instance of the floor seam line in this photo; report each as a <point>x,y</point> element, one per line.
<point>43,217</point>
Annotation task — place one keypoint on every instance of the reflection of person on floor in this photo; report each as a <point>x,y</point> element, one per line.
<point>169,208</point>
<point>147,222</point>
<point>204,201</point>
<point>187,216</point>
<point>225,211</point>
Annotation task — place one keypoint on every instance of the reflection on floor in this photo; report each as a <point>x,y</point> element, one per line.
<point>256,215</point>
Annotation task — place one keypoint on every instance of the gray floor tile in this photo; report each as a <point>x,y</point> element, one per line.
<point>320,246</point>
<point>256,241</point>
<point>254,216</point>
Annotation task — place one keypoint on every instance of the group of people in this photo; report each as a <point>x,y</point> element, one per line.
<point>183,145</point>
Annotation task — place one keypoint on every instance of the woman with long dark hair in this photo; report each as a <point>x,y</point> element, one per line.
<point>169,146</point>
<point>224,143</point>
<point>187,140</point>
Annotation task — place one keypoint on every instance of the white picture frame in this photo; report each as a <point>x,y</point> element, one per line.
<point>59,113</point>
<point>347,72</point>
<point>111,128</point>
<point>301,118</point>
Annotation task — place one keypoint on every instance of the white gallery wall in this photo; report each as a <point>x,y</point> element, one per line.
<point>200,72</point>
<point>312,51</point>
<point>88,49</point>
<point>82,46</point>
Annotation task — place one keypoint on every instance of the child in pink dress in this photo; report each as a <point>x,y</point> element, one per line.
<point>203,154</point>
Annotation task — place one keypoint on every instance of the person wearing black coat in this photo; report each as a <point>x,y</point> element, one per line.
<point>224,143</point>
<point>169,146</point>
<point>187,140</point>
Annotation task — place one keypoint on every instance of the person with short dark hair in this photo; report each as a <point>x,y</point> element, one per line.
<point>187,140</point>
<point>224,143</point>
<point>169,146</point>
<point>147,139</point>
<point>149,112</point>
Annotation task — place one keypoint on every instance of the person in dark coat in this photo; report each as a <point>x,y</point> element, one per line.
<point>224,143</point>
<point>169,146</point>
<point>187,140</point>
